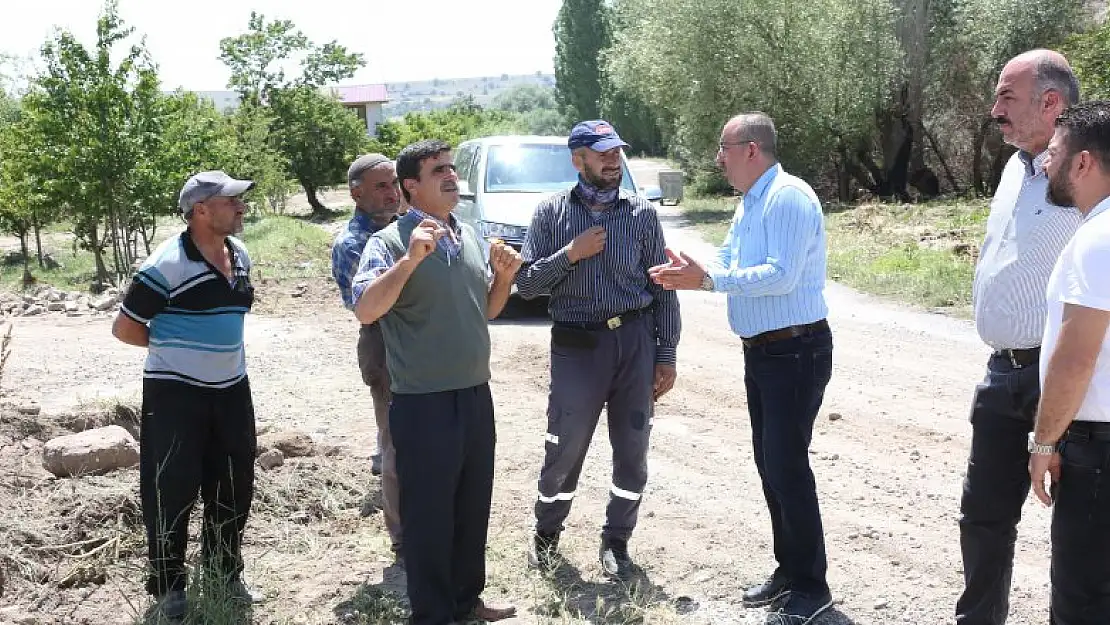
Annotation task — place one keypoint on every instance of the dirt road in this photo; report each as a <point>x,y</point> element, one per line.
<point>889,469</point>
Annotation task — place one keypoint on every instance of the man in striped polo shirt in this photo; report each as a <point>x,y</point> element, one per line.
<point>613,341</point>
<point>1025,234</point>
<point>772,266</point>
<point>186,305</point>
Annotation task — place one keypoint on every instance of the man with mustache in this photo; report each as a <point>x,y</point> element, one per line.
<point>186,305</point>
<point>425,279</point>
<point>1071,441</point>
<point>1025,233</point>
<point>772,266</point>
<point>373,183</point>
<point>613,341</point>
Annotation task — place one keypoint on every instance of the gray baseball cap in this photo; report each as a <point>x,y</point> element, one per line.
<point>209,184</point>
<point>363,164</point>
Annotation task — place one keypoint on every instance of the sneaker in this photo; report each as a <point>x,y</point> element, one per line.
<point>615,560</point>
<point>169,608</point>
<point>544,554</point>
<point>799,610</point>
<point>775,590</point>
<point>240,591</point>
<point>376,464</point>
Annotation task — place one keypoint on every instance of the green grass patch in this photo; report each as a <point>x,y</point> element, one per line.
<point>283,247</point>
<point>710,215</point>
<point>922,254</point>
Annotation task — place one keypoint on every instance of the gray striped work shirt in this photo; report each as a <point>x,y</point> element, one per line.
<point>610,283</point>
<point>1025,234</point>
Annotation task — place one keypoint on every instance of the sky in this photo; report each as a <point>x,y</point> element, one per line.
<point>401,40</point>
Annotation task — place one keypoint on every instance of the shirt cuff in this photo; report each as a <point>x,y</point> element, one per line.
<point>665,355</point>
<point>561,260</point>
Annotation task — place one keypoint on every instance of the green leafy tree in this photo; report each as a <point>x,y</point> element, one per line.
<point>313,132</point>
<point>255,156</point>
<point>696,64</point>
<point>1089,55</point>
<point>88,111</point>
<point>581,35</point>
<point>318,135</point>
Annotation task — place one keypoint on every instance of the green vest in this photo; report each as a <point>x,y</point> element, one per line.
<point>437,334</point>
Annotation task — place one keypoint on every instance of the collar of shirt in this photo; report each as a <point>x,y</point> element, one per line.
<point>1099,208</point>
<point>1034,165</point>
<point>764,181</point>
<point>450,244</point>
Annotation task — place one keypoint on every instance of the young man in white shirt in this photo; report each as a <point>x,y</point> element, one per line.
<point>1070,444</point>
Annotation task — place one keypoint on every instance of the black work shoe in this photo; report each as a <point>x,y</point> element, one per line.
<point>775,589</point>
<point>544,554</point>
<point>169,608</point>
<point>615,560</point>
<point>799,610</point>
<point>376,464</point>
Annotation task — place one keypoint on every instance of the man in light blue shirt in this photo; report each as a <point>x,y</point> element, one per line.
<point>772,266</point>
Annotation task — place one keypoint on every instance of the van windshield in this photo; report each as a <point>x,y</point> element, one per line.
<point>534,168</point>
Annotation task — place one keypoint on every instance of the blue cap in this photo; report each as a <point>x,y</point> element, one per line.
<point>598,135</point>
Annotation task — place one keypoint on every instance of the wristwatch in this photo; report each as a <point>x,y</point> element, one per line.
<point>1040,449</point>
<point>707,283</point>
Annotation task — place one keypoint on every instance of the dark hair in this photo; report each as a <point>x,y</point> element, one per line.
<point>413,156</point>
<point>1088,128</point>
<point>1050,73</point>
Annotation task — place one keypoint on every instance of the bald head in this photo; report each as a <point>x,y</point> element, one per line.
<point>1033,89</point>
<point>755,127</point>
<point>1049,70</point>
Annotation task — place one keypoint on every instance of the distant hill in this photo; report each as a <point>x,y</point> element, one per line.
<point>428,95</point>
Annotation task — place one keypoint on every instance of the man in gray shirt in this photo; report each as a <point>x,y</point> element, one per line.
<point>1025,234</point>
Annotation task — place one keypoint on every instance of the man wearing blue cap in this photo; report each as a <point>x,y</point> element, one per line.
<point>613,341</point>
<point>186,305</point>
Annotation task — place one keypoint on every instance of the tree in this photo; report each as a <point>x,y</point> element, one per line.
<point>89,113</point>
<point>318,135</point>
<point>581,34</point>
<point>1088,53</point>
<point>255,156</point>
<point>694,64</point>
<point>311,130</point>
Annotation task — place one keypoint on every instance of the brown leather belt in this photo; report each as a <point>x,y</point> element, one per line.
<point>1020,358</point>
<point>788,332</point>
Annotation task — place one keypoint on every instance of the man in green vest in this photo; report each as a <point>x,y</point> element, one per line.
<point>425,280</point>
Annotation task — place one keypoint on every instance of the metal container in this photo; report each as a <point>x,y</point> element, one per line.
<point>671,181</point>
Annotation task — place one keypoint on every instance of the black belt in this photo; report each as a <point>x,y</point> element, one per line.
<point>788,332</point>
<point>1020,358</point>
<point>1087,431</point>
<point>612,323</point>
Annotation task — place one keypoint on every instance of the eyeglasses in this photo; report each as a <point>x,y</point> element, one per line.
<point>724,145</point>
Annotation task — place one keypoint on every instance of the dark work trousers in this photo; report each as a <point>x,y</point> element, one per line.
<point>195,439</point>
<point>445,447</point>
<point>375,374</point>
<point>786,383</point>
<point>996,487</point>
<point>1081,530</point>
<point>617,372</point>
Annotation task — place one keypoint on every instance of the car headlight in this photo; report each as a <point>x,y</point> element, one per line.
<point>503,231</point>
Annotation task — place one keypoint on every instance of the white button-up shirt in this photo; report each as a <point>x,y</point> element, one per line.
<point>1025,234</point>
<point>1081,279</point>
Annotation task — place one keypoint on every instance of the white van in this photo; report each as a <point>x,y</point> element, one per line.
<point>503,179</point>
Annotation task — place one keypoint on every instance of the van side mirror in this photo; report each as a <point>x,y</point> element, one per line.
<point>464,191</point>
<point>653,193</point>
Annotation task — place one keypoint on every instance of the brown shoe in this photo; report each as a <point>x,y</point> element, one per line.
<point>485,612</point>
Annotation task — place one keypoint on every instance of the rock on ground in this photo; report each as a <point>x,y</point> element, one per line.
<point>93,451</point>
<point>291,444</point>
